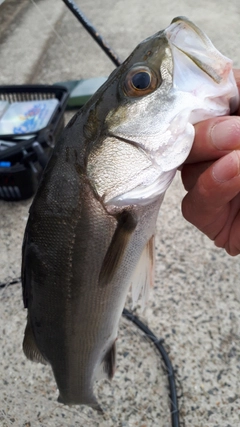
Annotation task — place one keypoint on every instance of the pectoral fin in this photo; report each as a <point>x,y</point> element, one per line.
<point>125,226</point>
<point>30,348</point>
<point>143,276</point>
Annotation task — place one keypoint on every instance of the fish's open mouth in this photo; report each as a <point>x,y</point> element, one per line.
<point>192,42</point>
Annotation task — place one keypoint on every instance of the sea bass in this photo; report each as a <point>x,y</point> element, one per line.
<point>91,226</point>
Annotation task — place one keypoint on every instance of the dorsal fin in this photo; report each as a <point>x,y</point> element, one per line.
<point>143,276</point>
<point>125,226</point>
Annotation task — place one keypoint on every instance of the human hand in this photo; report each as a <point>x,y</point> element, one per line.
<point>211,175</point>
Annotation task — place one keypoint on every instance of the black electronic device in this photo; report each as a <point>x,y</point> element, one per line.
<point>24,153</point>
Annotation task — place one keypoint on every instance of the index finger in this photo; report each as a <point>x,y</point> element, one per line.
<point>237,77</point>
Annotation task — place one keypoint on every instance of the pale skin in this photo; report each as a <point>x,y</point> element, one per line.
<point>211,176</point>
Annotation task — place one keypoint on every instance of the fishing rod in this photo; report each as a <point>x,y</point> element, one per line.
<point>92,31</point>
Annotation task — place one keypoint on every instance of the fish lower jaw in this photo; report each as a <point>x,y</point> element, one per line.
<point>144,195</point>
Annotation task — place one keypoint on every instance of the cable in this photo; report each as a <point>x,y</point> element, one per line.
<point>12,282</point>
<point>159,345</point>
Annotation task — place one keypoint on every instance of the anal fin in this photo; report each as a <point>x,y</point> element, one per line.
<point>30,348</point>
<point>143,276</point>
<point>108,365</point>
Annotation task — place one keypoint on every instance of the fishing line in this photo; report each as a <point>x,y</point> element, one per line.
<point>87,25</point>
<point>49,24</point>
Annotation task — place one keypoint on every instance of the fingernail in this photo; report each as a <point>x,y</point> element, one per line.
<point>227,167</point>
<point>226,134</point>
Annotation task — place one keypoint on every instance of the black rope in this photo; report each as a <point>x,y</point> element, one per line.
<point>11,282</point>
<point>92,31</point>
<point>171,379</point>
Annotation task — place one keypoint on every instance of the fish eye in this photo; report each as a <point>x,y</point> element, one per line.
<point>140,81</point>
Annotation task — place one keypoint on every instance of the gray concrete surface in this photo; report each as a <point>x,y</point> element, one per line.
<point>195,304</point>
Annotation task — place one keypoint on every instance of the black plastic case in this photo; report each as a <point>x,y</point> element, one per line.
<point>21,166</point>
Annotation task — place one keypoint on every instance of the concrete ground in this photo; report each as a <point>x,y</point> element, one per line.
<point>195,304</point>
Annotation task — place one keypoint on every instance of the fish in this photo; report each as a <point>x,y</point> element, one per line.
<point>91,226</point>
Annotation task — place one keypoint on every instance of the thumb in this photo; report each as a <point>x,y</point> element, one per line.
<point>214,138</point>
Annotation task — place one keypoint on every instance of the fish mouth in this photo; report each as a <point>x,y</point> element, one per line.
<point>185,36</point>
